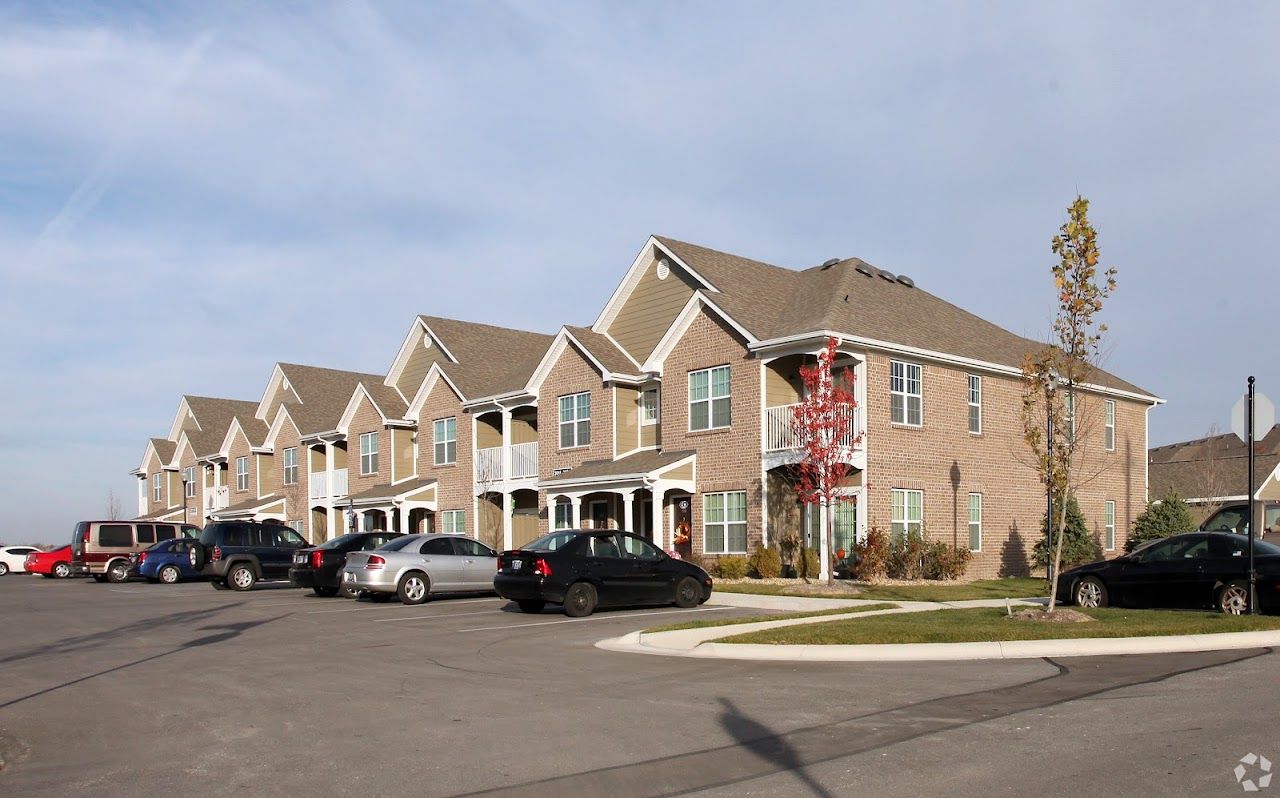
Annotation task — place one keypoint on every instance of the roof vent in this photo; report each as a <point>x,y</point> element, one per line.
<point>907,281</point>
<point>865,269</point>
<point>827,264</point>
<point>886,274</point>
<point>664,268</point>
<point>426,342</point>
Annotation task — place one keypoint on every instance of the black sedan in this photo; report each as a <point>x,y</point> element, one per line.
<point>585,569</point>
<point>320,567</point>
<point>1196,570</point>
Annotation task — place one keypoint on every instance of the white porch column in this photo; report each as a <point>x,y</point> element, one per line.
<point>655,523</point>
<point>142,496</point>
<point>395,519</point>
<point>551,512</point>
<point>328,469</point>
<point>824,556</point>
<point>506,448</point>
<point>359,520</point>
<point>628,511</point>
<point>576,503</point>
<point>508,508</point>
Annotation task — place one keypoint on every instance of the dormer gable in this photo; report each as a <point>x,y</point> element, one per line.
<point>421,349</point>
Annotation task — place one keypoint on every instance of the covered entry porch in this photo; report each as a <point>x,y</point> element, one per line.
<point>409,506</point>
<point>791,523</point>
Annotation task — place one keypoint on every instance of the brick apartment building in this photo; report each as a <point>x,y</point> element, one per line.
<point>670,416</point>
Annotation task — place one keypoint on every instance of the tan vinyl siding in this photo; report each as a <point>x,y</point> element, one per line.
<point>650,309</point>
<point>415,370</point>
<point>523,430</point>
<point>277,399</point>
<point>682,472</point>
<point>487,435</point>
<point>627,419</point>
<point>316,453</point>
<point>782,383</point>
<point>651,435</point>
<point>340,456</point>
<point>267,481</point>
<point>524,528</point>
<point>403,463</point>
<point>174,496</point>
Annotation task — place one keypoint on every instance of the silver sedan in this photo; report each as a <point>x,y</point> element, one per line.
<point>415,566</point>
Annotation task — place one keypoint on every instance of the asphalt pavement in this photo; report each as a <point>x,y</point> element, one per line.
<point>144,689</point>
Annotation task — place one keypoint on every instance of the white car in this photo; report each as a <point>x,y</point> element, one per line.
<point>14,559</point>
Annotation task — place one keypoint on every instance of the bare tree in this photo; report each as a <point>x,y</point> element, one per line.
<point>489,518</point>
<point>1211,480</point>
<point>113,506</point>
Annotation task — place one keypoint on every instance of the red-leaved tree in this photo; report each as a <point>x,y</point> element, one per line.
<point>823,423</point>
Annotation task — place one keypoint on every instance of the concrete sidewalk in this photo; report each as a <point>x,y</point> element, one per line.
<point>701,642</point>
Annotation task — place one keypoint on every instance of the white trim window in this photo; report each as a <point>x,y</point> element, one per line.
<point>444,437</point>
<point>975,404</point>
<point>242,473</point>
<point>724,522</point>
<point>564,515</point>
<point>156,494</point>
<point>1109,430</point>
<point>649,407</point>
<point>906,393</point>
<point>189,477</point>
<point>1069,415</point>
<point>975,522</point>
<point>291,465</point>
<point>575,420</point>
<point>1109,524</point>
<point>368,453</point>
<point>453,522</point>
<point>710,398</point>
<point>906,513</point>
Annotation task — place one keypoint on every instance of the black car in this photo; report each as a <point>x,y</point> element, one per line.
<point>585,569</point>
<point>237,554</point>
<point>1193,570</point>
<point>320,567</point>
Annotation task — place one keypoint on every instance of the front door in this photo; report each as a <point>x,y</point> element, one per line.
<point>600,514</point>
<point>644,519</point>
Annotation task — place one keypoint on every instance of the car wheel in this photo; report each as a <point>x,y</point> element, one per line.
<point>379,598</point>
<point>218,584</point>
<point>414,588</point>
<point>4,568</point>
<point>325,592</point>
<point>579,600</point>
<point>1090,593</point>
<point>118,572</point>
<point>688,591</point>
<point>61,570</point>
<point>170,575</point>
<point>1233,599</point>
<point>195,556</point>
<point>241,577</point>
<point>531,606</point>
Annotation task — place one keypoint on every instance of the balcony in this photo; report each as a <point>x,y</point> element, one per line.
<point>780,434</point>
<point>329,484</point>
<point>524,462</point>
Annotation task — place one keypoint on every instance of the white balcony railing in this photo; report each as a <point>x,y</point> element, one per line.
<point>780,433</point>
<point>489,464</point>
<point>219,497</point>
<point>524,460</point>
<point>329,484</point>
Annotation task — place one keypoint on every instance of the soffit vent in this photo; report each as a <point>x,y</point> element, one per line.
<point>664,268</point>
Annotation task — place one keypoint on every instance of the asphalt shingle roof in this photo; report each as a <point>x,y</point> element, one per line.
<point>391,491</point>
<point>491,360</point>
<point>214,417</point>
<point>1218,464</point>
<point>323,394</point>
<point>604,350</point>
<point>639,463</point>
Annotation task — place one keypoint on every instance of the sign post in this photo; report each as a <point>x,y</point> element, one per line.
<point>1251,408</point>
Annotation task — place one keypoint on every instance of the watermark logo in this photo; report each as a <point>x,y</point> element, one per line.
<point>1253,772</point>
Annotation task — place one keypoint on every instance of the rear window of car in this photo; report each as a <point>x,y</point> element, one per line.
<point>398,543</point>
<point>551,542</point>
<point>224,535</point>
<point>115,536</point>
<point>161,546</point>
<point>339,542</point>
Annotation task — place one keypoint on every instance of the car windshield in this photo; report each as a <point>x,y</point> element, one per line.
<point>339,542</point>
<point>398,543</point>
<point>552,542</point>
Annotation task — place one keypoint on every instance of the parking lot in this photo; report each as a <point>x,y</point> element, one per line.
<point>136,689</point>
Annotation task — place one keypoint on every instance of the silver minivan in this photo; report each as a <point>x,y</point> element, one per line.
<point>416,566</point>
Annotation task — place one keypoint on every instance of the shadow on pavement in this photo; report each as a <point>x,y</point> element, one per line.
<point>71,645</point>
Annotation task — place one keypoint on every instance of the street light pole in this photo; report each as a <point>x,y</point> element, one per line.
<point>184,498</point>
<point>1253,574</point>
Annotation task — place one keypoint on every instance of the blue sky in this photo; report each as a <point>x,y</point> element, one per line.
<point>189,194</point>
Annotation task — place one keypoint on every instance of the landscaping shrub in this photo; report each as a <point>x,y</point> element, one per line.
<point>765,563</point>
<point>944,561</point>
<point>1160,520</point>
<point>812,565</point>
<point>906,556</point>
<point>1078,546</point>
<point>731,567</point>
<point>871,555</point>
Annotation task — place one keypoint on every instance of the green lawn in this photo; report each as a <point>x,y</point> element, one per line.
<point>969,625</point>
<point>779,617</point>
<point>1021,587</point>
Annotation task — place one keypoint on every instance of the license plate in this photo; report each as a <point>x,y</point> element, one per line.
<point>347,576</point>
<point>515,565</point>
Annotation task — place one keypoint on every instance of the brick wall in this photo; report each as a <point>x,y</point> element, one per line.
<point>240,448</point>
<point>297,496</point>
<point>454,487</point>
<point>366,420</point>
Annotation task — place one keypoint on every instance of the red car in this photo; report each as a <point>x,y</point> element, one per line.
<point>54,564</point>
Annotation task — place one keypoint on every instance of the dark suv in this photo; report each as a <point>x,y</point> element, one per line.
<point>237,554</point>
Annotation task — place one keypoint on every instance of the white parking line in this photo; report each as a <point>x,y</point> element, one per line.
<point>390,606</point>
<point>437,616</point>
<point>592,618</point>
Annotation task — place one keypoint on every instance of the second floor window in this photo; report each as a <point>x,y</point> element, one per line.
<point>291,466</point>
<point>156,495</point>
<point>575,420</point>
<point>1069,415</point>
<point>445,436</point>
<point>189,476</point>
<point>242,473</point>
<point>906,394</point>
<point>1110,429</point>
<point>710,401</point>
<point>649,406</point>
<point>368,453</point>
<point>975,404</point>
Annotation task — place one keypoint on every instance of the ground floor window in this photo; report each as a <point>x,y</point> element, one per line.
<point>906,513</point>
<point>846,511</point>
<point>1109,518</point>
<point>564,515</point>
<point>724,522</point>
<point>975,522</point>
<point>453,522</point>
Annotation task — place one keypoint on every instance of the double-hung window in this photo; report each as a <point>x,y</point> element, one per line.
<point>242,473</point>
<point>724,522</point>
<point>975,522</point>
<point>1109,431</point>
<point>156,495</point>
<point>575,420</point>
<point>445,437</point>
<point>1109,523</point>
<point>975,404</point>
<point>453,522</point>
<point>189,481</point>
<point>368,453</point>
<point>564,515</point>
<point>291,465</point>
<point>649,406</point>
<point>906,513</point>
<point>710,402</point>
<point>1069,415</point>
<point>906,394</point>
